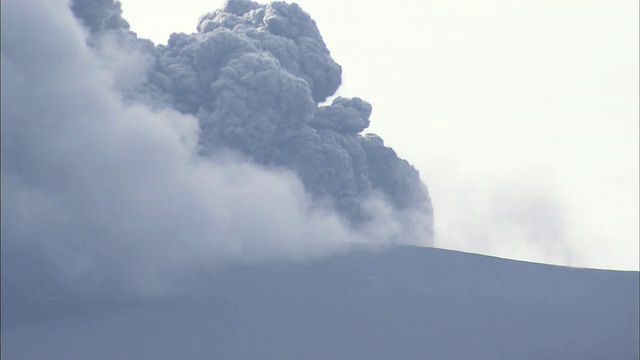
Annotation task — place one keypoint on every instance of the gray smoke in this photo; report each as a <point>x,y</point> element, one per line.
<point>127,165</point>
<point>254,75</point>
<point>98,15</point>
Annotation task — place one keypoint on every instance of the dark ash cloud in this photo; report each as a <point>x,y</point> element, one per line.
<point>127,165</point>
<point>254,75</point>
<point>98,15</point>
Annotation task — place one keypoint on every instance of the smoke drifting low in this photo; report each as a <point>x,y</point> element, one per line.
<point>126,166</point>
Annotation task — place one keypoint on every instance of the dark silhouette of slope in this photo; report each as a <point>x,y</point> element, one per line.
<point>399,303</point>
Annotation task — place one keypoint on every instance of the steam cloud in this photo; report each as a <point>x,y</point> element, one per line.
<point>127,165</point>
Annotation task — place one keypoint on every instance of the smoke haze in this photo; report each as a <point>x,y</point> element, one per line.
<point>126,166</point>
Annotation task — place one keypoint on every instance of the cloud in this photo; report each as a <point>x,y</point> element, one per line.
<point>98,15</point>
<point>254,75</point>
<point>126,167</point>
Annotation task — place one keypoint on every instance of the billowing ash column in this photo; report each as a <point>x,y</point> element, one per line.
<point>254,75</point>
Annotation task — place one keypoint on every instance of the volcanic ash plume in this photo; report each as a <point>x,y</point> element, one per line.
<point>254,75</point>
<point>213,146</point>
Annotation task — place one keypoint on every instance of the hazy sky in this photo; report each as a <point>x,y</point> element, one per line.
<point>522,117</point>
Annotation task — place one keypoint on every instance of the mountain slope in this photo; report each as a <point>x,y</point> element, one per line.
<point>399,303</point>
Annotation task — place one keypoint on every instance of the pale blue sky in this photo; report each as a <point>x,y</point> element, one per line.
<point>522,117</point>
